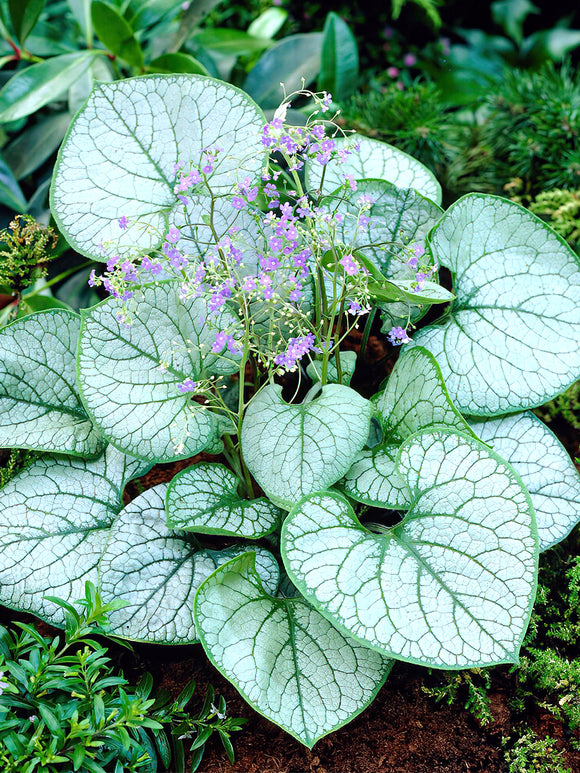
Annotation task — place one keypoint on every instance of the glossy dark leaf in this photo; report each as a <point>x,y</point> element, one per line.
<point>116,34</point>
<point>339,62</point>
<point>24,15</point>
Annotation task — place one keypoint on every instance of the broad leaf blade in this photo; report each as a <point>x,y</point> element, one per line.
<point>452,585</point>
<point>54,522</point>
<point>414,399</point>
<point>129,375</point>
<point>511,341</point>
<point>120,153</point>
<point>545,468</point>
<point>293,450</point>
<point>204,499</point>
<point>377,160</point>
<point>398,216</point>
<point>287,661</point>
<point>373,479</point>
<point>39,404</point>
<point>158,571</point>
<point>37,85</point>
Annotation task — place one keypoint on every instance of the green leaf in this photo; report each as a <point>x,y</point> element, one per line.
<point>39,404</point>
<point>452,585</point>
<point>31,148</point>
<point>178,62</point>
<point>24,15</point>
<point>293,61</point>
<point>347,365</point>
<point>511,341</point>
<point>116,34</point>
<point>82,12</point>
<point>287,661</point>
<point>158,571</point>
<point>268,23</point>
<point>339,61</point>
<point>376,160</point>
<point>414,399</point>
<point>112,164</point>
<point>230,42</point>
<point>545,468</point>
<point>511,14</point>
<point>204,499</point>
<point>399,217</point>
<point>54,520</point>
<point>10,193</point>
<point>293,450</point>
<point>37,85</point>
<point>129,374</point>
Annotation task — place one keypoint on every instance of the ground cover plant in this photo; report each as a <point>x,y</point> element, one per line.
<point>336,534</point>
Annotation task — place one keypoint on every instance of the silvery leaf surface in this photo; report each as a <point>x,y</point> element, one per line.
<point>293,450</point>
<point>347,366</point>
<point>399,216</point>
<point>54,522</point>
<point>511,340</point>
<point>377,160</point>
<point>204,499</point>
<point>158,571</point>
<point>129,374</point>
<point>284,657</point>
<point>40,407</point>
<point>545,468</point>
<point>118,158</point>
<point>415,398</point>
<point>452,585</point>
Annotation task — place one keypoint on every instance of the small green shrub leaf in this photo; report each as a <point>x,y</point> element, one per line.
<point>204,499</point>
<point>511,341</point>
<point>293,450</point>
<point>287,660</point>
<point>158,571</point>
<point>119,156</point>
<point>130,374</point>
<point>450,586</point>
<point>40,407</point>
<point>376,160</point>
<point>545,468</point>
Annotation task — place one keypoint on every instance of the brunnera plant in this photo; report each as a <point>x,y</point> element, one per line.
<point>353,532</point>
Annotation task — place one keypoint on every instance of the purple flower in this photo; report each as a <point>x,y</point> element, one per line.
<point>409,60</point>
<point>187,386</point>
<point>173,235</point>
<point>398,336</point>
<point>392,72</point>
<point>123,223</point>
<point>349,265</point>
<point>93,278</point>
<point>238,202</point>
